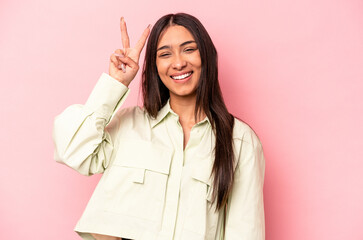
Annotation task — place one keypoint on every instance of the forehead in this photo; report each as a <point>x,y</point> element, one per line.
<point>175,35</point>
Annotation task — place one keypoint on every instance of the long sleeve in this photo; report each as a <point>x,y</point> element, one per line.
<point>245,217</point>
<point>82,140</point>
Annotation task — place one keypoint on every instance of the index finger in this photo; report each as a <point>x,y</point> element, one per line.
<point>124,36</point>
<point>141,43</point>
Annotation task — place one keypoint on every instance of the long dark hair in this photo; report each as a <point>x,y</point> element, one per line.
<point>208,97</point>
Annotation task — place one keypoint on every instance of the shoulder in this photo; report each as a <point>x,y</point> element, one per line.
<point>248,147</point>
<point>244,133</point>
<point>247,144</point>
<point>133,113</point>
<point>132,117</point>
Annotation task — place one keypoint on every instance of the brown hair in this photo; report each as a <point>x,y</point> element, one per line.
<point>208,97</point>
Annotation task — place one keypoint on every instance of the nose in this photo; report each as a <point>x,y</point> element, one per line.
<point>179,62</point>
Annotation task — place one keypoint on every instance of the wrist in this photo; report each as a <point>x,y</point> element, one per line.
<point>121,80</point>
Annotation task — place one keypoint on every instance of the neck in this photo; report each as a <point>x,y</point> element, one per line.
<point>185,108</point>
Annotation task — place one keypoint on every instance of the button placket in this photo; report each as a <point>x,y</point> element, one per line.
<point>175,133</point>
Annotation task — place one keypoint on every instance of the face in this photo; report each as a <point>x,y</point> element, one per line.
<point>178,61</point>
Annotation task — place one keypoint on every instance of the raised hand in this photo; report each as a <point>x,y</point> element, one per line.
<point>124,63</point>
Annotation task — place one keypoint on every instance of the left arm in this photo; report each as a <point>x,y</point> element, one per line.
<point>245,217</point>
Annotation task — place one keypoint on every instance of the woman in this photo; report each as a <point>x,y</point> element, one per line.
<point>181,167</point>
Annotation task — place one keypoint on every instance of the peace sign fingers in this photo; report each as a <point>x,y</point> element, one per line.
<point>135,51</point>
<point>124,63</point>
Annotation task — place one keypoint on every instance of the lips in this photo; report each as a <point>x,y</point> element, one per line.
<point>181,76</point>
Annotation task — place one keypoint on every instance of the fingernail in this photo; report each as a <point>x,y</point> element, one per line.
<point>149,26</point>
<point>123,68</point>
<point>119,55</point>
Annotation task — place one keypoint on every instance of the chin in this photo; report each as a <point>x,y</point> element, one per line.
<point>185,94</point>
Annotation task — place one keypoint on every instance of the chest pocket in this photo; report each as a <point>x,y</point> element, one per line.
<point>136,182</point>
<point>201,210</point>
<point>201,173</point>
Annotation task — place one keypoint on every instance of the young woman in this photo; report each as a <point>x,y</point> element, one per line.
<point>181,167</point>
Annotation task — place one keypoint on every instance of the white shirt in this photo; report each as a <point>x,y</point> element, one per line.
<point>151,187</point>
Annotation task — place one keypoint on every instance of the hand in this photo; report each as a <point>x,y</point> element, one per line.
<point>127,56</point>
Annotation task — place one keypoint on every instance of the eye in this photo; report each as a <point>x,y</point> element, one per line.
<point>164,54</point>
<point>190,49</point>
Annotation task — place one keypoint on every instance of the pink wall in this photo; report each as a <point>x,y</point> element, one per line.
<point>292,69</point>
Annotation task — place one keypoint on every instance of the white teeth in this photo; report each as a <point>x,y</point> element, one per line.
<point>181,76</point>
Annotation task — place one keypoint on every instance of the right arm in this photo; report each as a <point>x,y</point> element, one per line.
<point>82,140</point>
<point>83,136</point>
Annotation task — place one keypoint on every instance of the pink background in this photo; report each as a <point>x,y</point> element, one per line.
<point>292,69</point>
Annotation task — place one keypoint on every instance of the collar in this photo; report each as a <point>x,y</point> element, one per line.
<point>165,111</point>
<point>206,119</point>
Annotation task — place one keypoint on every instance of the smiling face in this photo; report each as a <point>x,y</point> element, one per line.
<point>178,61</point>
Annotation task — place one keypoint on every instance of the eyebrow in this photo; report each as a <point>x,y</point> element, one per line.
<point>181,45</point>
